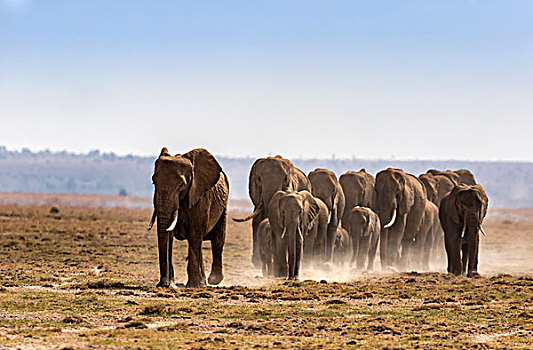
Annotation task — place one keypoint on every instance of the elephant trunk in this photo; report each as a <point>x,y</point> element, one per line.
<point>166,212</point>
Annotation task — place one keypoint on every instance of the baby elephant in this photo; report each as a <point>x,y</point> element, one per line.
<point>342,247</point>
<point>265,245</point>
<point>364,228</point>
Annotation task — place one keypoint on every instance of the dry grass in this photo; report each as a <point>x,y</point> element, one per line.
<point>84,277</point>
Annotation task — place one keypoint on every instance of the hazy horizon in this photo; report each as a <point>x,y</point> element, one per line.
<point>421,80</point>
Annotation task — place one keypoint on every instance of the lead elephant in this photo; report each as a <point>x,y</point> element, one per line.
<point>324,185</point>
<point>399,202</point>
<point>358,189</point>
<point>461,214</point>
<point>267,176</point>
<point>292,215</point>
<point>190,203</point>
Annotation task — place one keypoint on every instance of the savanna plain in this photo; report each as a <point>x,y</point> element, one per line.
<point>84,276</point>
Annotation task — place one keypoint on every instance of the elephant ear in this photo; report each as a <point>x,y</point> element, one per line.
<point>453,205</point>
<point>311,210</point>
<point>406,196</point>
<point>254,187</point>
<point>205,173</point>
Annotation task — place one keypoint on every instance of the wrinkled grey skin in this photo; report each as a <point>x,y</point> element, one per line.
<point>364,229</point>
<point>266,247</point>
<point>358,189</point>
<point>191,190</point>
<point>315,240</point>
<point>398,191</point>
<point>267,176</point>
<point>343,247</point>
<point>325,186</point>
<point>425,239</point>
<point>464,208</point>
<point>292,214</point>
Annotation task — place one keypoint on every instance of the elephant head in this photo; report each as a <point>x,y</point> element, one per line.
<point>181,180</point>
<point>465,177</point>
<point>325,186</point>
<point>430,184</point>
<point>291,215</point>
<point>468,207</point>
<point>392,196</point>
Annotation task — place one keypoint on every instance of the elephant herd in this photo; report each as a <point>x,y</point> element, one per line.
<point>317,220</point>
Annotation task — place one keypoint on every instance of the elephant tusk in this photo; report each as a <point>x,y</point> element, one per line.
<point>329,216</point>
<point>283,233</point>
<point>482,230</point>
<point>392,221</point>
<point>464,229</point>
<point>300,233</point>
<point>152,220</point>
<point>174,222</point>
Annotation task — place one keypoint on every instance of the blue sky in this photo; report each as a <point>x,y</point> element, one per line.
<point>371,79</point>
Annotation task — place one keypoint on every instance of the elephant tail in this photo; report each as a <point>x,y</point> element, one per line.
<point>251,216</point>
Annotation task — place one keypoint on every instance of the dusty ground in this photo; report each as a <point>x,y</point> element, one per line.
<point>84,278</point>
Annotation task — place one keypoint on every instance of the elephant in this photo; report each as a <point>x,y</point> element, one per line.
<point>292,215</point>
<point>358,189</point>
<point>425,238</point>
<point>399,202</point>
<point>460,176</point>
<point>190,203</point>
<point>324,185</point>
<point>266,247</point>
<point>343,246</point>
<point>461,215</point>
<point>267,176</point>
<point>364,228</point>
<point>437,186</point>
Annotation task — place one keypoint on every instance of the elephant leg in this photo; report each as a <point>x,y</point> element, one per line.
<point>196,276</point>
<point>448,247</point>
<point>309,246</point>
<point>372,252</point>
<point>473,250</point>
<point>362,252</point>
<point>464,256</point>
<point>330,241</point>
<point>217,245</point>
<point>454,255</point>
<point>428,245</point>
<point>256,259</point>
<point>383,248</point>
<point>164,241</point>
<point>264,267</point>
<point>280,256</point>
<point>297,257</point>
<point>355,246</point>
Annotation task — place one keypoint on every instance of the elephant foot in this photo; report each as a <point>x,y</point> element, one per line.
<point>256,261</point>
<point>473,274</point>
<point>195,284</point>
<point>215,278</point>
<point>164,283</point>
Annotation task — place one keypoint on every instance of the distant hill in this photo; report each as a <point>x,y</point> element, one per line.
<point>508,184</point>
